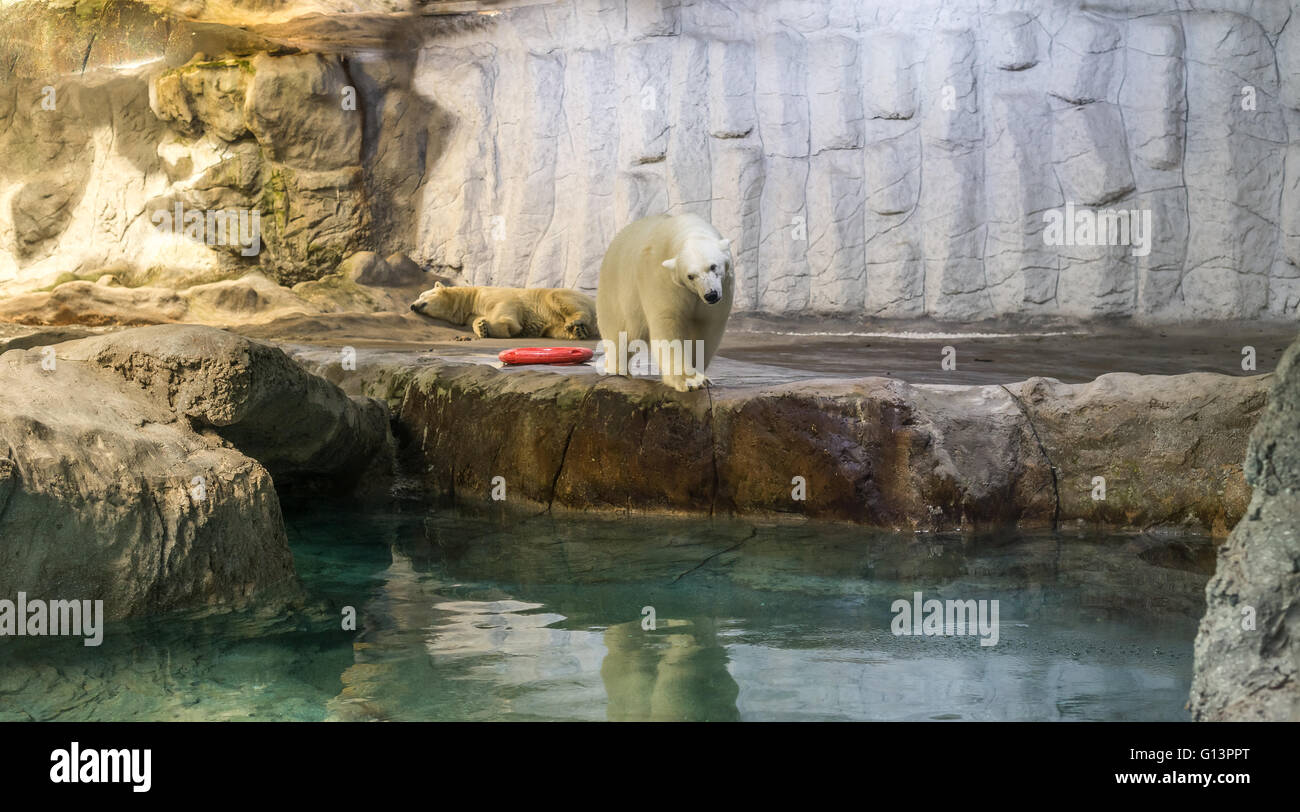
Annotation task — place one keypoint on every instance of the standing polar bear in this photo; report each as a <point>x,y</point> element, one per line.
<point>666,282</point>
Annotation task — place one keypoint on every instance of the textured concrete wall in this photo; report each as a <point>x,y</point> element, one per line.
<point>883,159</point>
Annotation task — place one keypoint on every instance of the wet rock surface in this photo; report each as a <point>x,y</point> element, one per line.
<point>1248,646</point>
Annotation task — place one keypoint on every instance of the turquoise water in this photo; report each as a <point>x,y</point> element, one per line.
<point>485,618</point>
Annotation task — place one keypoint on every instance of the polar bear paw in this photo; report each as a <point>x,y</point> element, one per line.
<point>687,383</point>
<point>480,327</point>
<point>578,330</point>
<point>698,382</point>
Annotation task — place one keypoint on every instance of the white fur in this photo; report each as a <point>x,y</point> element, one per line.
<point>653,283</point>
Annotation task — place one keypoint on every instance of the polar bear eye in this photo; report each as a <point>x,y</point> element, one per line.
<point>692,276</point>
<point>713,268</point>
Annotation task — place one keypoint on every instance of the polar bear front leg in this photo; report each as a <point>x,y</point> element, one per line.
<point>500,323</point>
<point>671,349</point>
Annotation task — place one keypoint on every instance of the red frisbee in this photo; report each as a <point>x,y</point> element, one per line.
<point>545,355</point>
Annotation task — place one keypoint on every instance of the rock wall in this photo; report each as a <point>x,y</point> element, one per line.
<point>868,158</point>
<point>1248,646</point>
<point>110,147</point>
<point>883,159</point>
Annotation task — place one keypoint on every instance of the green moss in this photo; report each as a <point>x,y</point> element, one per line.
<point>89,10</point>
<point>63,279</point>
<point>160,276</point>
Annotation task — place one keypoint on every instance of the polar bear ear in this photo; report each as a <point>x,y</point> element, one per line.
<point>671,264</point>
<point>437,285</point>
<point>724,243</point>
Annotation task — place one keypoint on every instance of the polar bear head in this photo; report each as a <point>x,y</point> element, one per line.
<point>703,266</point>
<point>442,302</point>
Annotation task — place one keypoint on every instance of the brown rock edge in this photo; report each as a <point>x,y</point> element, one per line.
<point>873,450</point>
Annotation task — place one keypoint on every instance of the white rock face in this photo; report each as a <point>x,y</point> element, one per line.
<point>883,159</point>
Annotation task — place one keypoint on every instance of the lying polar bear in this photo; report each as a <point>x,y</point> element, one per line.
<point>666,283</point>
<point>512,312</point>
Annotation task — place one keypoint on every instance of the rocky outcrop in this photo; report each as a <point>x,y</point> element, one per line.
<point>1248,646</point>
<point>106,495</point>
<point>137,467</point>
<point>300,162</point>
<point>94,304</point>
<point>245,300</point>
<point>194,167</point>
<point>301,427</point>
<point>1122,451</point>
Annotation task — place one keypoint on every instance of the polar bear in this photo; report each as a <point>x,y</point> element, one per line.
<point>666,281</point>
<point>512,312</point>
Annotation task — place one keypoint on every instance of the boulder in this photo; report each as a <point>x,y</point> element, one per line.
<point>136,467</point>
<point>1247,665</point>
<point>106,495</point>
<point>405,271</point>
<point>1166,447</point>
<point>305,430</point>
<point>365,268</point>
<point>368,268</point>
<point>250,298</point>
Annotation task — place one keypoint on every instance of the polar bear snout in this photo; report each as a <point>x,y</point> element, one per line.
<point>710,288</point>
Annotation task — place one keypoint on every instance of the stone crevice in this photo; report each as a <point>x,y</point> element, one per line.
<point>1056,488</point>
<point>568,440</point>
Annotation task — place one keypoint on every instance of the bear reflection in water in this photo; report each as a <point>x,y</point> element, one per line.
<point>490,652</point>
<point>677,672</point>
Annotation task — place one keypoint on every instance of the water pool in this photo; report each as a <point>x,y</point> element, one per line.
<point>463,617</point>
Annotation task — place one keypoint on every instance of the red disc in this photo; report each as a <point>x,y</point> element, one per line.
<point>545,355</point>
